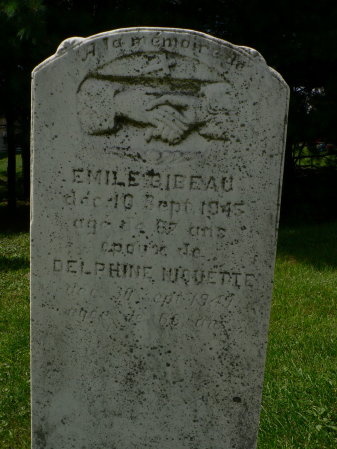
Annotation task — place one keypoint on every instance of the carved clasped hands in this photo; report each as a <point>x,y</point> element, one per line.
<point>106,107</point>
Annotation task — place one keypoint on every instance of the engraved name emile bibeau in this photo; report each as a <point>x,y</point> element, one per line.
<point>151,91</point>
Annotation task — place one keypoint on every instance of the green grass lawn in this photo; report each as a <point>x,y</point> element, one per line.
<point>300,391</point>
<point>299,399</point>
<point>14,341</point>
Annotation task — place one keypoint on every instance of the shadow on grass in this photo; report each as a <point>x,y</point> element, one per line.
<point>17,221</point>
<point>314,244</point>
<point>13,263</point>
<point>310,196</point>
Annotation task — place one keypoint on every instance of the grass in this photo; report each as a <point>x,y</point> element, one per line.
<point>14,341</point>
<point>299,398</point>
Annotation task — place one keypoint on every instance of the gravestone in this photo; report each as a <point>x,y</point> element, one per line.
<point>157,163</point>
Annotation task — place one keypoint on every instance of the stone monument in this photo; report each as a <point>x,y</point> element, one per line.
<point>157,166</point>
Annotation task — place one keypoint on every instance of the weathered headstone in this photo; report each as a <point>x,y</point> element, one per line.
<point>157,162</point>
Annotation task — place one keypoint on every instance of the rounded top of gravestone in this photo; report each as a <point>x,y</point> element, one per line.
<point>164,45</point>
<point>69,43</point>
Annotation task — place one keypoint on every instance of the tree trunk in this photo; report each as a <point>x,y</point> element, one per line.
<point>289,182</point>
<point>11,168</point>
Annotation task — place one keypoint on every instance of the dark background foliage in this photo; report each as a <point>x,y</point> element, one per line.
<point>297,38</point>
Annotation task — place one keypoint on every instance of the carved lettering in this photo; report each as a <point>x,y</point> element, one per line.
<point>112,270</point>
<point>166,227</point>
<point>136,40</point>
<point>171,321</point>
<point>152,179</point>
<point>192,299</point>
<point>187,250</point>
<point>201,232</point>
<point>57,265</point>
<point>173,275</point>
<point>129,271</point>
<point>114,248</point>
<point>188,276</point>
<point>173,208</point>
<point>211,208</point>
<point>88,50</point>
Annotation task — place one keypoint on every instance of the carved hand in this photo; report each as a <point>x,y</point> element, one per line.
<point>167,124</point>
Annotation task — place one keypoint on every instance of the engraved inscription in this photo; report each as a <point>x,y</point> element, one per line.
<point>113,247</point>
<point>216,275</point>
<point>167,320</point>
<point>151,179</point>
<point>192,299</point>
<point>112,270</point>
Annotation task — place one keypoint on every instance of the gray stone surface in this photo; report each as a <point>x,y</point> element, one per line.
<point>157,162</point>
